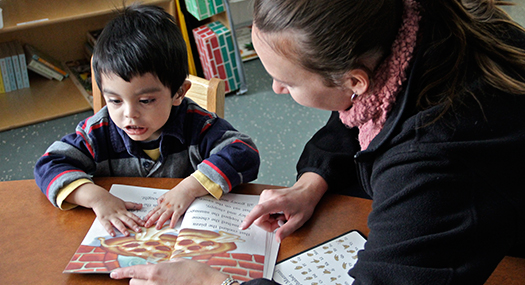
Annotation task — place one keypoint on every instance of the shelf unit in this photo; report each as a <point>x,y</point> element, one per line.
<point>227,20</point>
<point>59,29</point>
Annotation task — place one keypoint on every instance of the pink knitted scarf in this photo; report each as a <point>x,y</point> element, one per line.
<point>370,110</point>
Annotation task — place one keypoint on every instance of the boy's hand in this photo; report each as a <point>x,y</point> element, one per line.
<point>174,203</point>
<point>113,212</point>
<point>110,210</point>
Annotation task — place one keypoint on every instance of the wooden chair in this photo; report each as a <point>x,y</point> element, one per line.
<point>209,94</point>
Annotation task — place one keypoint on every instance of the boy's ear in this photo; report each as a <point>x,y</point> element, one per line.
<point>179,95</point>
<point>357,80</point>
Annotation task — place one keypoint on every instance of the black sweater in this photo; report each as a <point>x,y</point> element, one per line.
<point>448,198</point>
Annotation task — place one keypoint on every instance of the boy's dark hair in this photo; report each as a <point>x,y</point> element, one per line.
<point>142,39</point>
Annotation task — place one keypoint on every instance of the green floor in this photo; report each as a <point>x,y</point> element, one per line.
<point>279,126</point>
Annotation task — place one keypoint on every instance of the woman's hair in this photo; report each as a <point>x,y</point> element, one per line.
<point>329,37</point>
<point>467,41</point>
<point>142,39</point>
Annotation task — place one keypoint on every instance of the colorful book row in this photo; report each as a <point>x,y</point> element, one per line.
<point>13,68</point>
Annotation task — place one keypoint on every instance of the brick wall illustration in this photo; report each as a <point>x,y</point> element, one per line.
<point>217,54</point>
<point>239,266</point>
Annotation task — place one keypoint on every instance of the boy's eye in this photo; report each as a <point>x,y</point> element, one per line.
<point>115,101</point>
<point>147,101</point>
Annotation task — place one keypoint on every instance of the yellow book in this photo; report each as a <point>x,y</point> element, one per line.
<point>2,88</point>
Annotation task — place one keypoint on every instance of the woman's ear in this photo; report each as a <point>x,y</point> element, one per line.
<point>179,95</point>
<point>357,80</point>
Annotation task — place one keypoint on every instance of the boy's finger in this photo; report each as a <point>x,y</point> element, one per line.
<point>108,227</point>
<point>133,206</point>
<point>136,219</point>
<point>174,220</point>
<point>120,227</point>
<point>151,213</point>
<point>151,218</point>
<point>163,218</point>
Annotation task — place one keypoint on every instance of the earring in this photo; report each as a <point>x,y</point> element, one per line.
<point>354,96</point>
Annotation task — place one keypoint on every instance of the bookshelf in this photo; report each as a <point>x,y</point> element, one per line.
<point>59,29</point>
<point>226,18</point>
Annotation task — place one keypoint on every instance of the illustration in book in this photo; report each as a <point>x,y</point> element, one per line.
<point>327,263</point>
<point>208,233</point>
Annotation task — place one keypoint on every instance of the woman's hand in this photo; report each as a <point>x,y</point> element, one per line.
<point>288,208</point>
<point>173,204</point>
<point>177,271</point>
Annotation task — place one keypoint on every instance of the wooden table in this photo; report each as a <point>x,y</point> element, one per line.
<point>38,240</point>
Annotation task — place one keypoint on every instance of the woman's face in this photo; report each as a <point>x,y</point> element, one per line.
<point>305,87</point>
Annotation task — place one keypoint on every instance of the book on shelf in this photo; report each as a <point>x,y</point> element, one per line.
<point>16,64</point>
<point>80,74</point>
<point>3,73</point>
<point>42,70</point>
<point>208,232</point>
<point>326,263</point>
<point>244,41</point>
<point>35,56</point>
<point>9,74</point>
<point>19,50</point>
<point>13,69</point>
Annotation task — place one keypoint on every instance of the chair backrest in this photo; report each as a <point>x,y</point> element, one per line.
<point>209,94</point>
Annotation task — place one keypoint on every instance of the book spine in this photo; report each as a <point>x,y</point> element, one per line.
<point>5,75</point>
<point>2,88</point>
<point>16,64</point>
<point>18,72</point>
<point>11,72</point>
<point>50,65</point>
<point>23,64</point>
<point>23,69</point>
<point>40,69</point>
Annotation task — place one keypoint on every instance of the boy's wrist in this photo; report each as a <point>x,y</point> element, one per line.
<point>87,195</point>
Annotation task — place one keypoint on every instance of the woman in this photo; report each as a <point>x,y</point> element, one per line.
<point>428,121</point>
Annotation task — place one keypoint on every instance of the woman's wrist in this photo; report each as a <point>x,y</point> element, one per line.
<point>230,281</point>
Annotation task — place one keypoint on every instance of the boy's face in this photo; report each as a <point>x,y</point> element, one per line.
<point>140,107</point>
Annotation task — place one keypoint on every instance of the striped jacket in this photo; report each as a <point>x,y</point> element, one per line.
<point>192,139</point>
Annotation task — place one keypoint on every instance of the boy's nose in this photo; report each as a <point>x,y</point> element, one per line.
<point>131,111</point>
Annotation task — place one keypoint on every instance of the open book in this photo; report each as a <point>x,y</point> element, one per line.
<point>208,232</point>
<point>326,263</point>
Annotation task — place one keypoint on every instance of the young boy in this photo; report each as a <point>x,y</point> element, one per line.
<point>147,129</point>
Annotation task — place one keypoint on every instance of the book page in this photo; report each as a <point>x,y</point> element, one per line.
<point>225,215</point>
<point>327,263</point>
<point>218,221</point>
<point>209,222</point>
<point>100,253</point>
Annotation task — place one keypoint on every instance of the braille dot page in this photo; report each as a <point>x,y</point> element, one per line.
<point>327,263</point>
